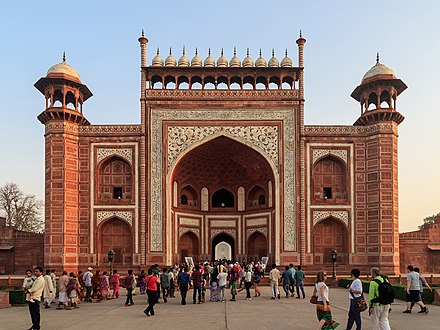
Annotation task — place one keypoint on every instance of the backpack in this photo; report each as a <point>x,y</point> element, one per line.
<point>386,293</point>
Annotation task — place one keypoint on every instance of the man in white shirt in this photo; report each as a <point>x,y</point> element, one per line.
<point>87,278</point>
<point>35,292</point>
<point>274,276</point>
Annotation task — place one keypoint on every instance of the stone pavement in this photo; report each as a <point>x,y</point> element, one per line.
<point>260,313</point>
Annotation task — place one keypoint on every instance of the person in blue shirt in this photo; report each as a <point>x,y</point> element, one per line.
<point>286,281</point>
<point>184,281</point>
<point>292,280</point>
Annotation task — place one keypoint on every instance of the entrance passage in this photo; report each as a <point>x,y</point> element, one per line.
<point>223,246</point>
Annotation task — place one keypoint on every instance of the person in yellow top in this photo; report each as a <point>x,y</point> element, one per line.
<point>36,291</point>
<point>378,311</point>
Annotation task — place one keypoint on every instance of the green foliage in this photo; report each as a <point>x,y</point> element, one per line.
<point>399,289</point>
<point>428,220</point>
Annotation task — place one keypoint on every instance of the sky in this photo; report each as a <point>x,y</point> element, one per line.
<point>100,41</point>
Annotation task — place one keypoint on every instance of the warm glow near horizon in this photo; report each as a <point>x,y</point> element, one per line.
<point>100,41</point>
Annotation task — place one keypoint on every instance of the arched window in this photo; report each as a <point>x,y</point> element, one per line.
<point>329,180</point>
<point>189,196</point>
<point>115,180</point>
<point>257,197</point>
<point>223,198</point>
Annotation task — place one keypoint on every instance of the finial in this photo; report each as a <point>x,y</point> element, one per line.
<point>235,51</point>
<point>157,52</point>
<point>170,50</point>
<point>64,56</point>
<point>143,32</point>
<point>286,52</point>
<point>209,51</point>
<point>377,58</point>
<point>273,52</point>
<point>222,52</point>
<point>196,50</point>
<point>260,52</point>
<point>300,34</point>
<point>183,52</point>
<point>247,52</point>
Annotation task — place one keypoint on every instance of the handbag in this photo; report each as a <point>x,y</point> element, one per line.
<point>360,303</point>
<point>314,300</point>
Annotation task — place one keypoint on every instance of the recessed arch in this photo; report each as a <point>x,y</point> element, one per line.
<point>257,246</point>
<point>218,239</point>
<point>188,245</point>
<point>223,198</point>
<point>329,180</point>
<point>116,234</point>
<point>328,235</point>
<point>115,180</point>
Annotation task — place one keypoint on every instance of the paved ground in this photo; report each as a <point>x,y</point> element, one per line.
<point>260,313</point>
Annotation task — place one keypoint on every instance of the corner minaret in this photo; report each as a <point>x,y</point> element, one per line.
<point>65,94</point>
<point>377,159</point>
<point>377,95</point>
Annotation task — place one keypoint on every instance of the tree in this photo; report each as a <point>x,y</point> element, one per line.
<point>22,211</point>
<point>428,220</point>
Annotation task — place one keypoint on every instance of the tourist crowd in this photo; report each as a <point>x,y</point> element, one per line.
<point>219,277</point>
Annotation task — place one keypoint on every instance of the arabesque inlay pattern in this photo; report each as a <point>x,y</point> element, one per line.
<point>321,215</point>
<point>318,153</point>
<point>263,137</point>
<point>125,153</point>
<point>104,215</point>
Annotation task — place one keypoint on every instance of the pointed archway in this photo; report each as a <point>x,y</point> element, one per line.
<point>115,234</point>
<point>328,235</point>
<point>257,246</point>
<point>189,246</point>
<point>220,245</point>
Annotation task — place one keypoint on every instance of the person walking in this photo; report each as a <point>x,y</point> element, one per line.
<point>73,287</point>
<point>422,283</point>
<point>323,311</point>
<point>196,278</point>
<point>299,282</point>
<point>96,284</point>
<point>165,284</point>
<point>172,288</point>
<point>62,286</point>
<point>222,278</point>
<point>105,286</point>
<point>128,284</point>
<point>87,279</point>
<point>355,291</point>
<point>256,281</point>
<point>184,281</point>
<point>286,276</point>
<point>274,276</point>
<point>292,280</point>
<point>152,282</point>
<point>379,312</point>
<point>115,282</point>
<point>248,282</point>
<point>141,282</point>
<point>413,291</point>
<point>34,297</point>
<point>48,293</point>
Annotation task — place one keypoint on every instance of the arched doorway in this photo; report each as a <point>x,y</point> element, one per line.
<point>257,246</point>
<point>223,245</point>
<point>189,246</point>
<point>116,234</point>
<point>328,235</point>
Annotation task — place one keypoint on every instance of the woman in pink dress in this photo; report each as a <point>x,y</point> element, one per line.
<point>114,282</point>
<point>105,285</point>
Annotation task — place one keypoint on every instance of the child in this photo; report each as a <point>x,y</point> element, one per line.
<point>214,291</point>
<point>233,282</point>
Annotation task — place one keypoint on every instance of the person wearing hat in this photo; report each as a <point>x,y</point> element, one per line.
<point>87,278</point>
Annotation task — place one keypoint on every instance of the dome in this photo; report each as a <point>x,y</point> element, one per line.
<point>286,62</point>
<point>183,60</point>
<point>157,60</point>
<point>209,61</point>
<point>248,61</point>
<point>260,62</point>
<point>196,60</point>
<point>273,62</point>
<point>379,70</point>
<point>222,60</point>
<point>63,68</point>
<point>170,60</point>
<point>235,61</point>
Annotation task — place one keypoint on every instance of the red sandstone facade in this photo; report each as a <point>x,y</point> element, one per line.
<point>421,248</point>
<point>221,165</point>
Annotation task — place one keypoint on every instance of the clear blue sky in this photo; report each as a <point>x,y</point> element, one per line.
<point>100,40</point>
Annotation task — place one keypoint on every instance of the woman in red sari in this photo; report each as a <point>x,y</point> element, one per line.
<point>96,284</point>
<point>115,282</point>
